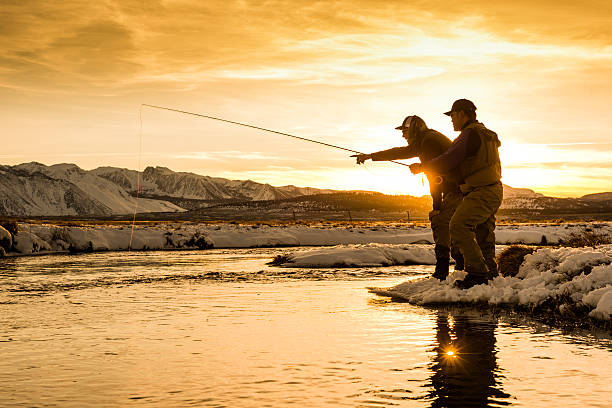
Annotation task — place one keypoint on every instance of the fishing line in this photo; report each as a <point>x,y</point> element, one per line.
<point>137,177</point>
<point>226,121</point>
<point>261,128</point>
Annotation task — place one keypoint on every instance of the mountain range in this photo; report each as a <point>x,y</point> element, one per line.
<point>34,189</point>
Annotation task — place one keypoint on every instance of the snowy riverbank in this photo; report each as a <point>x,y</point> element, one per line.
<point>568,281</point>
<point>574,281</point>
<point>44,238</point>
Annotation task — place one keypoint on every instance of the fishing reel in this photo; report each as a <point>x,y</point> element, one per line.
<point>437,179</point>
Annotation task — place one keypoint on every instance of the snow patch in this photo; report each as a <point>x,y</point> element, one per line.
<point>364,255</point>
<point>573,277</point>
<point>27,243</point>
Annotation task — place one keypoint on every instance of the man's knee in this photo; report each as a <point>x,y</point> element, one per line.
<point>459,229</point>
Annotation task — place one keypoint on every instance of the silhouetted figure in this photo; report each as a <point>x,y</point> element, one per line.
<point>427,144</point>
<point>465,366</point>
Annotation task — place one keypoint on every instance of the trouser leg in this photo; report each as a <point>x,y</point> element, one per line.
<point>440,220</point>
<point>485,237</point>
<point>476,208</point>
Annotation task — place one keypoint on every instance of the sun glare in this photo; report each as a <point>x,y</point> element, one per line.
<point>386,178</point>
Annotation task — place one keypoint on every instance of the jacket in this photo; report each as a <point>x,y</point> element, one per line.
<point>431,144</point>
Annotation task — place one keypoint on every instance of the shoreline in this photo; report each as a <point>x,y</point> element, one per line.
<point>28,239</point>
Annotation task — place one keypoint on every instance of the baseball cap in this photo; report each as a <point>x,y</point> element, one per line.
<point>462,105</point>
<point>406,123</point>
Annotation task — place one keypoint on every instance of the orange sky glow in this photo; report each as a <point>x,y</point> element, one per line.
<point>73,75</point>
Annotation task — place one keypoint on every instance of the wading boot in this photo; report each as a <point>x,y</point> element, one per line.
<point>470,281</point>
<point>442,262</point>
<point>475,276</point>
<point>458,257</point>
<point>441,269</point>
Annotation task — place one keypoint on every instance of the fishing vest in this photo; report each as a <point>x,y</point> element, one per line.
<point>484,168</point>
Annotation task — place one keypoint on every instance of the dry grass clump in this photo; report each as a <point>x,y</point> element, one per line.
<point>6,243</point>
<point>585,238</point>
<point>280,260</point>
<point>511,258</point>
<point>199,241</point>
<point>10,226</point>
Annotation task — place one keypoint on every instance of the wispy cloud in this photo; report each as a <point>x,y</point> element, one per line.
<point>234,155</point>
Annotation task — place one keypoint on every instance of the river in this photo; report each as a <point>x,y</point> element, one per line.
<point>219,328</point>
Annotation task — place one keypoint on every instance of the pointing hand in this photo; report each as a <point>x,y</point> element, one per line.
<point>361,158</point>
<point>416,168</point>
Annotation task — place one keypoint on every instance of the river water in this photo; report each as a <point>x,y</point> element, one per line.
<point>219,328</point>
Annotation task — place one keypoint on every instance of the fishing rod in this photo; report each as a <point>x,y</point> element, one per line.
<point>264,129</point>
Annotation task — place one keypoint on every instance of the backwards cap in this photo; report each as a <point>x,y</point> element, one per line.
<point>411,121</point>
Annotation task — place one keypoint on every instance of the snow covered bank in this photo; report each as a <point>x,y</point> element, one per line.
<point>40,238</point>
<point>568,281</point>
<point>361,256</point>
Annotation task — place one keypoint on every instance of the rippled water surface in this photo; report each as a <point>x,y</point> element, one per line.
<point>219,328</point>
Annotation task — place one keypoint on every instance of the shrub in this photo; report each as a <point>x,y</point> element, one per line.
<point>5,244</point>
<point>585,238</point>
<point>511,258</point>
<point>280,260</point>
<point>199,241</point>
<point>60,234</point>
<point>10,226</point>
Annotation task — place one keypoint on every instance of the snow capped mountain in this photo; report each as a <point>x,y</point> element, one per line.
<point>24,190</point>
<point>163,182</point>
<point>33,189</point>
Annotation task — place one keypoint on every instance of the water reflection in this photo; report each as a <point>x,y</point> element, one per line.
<point>465,371</point>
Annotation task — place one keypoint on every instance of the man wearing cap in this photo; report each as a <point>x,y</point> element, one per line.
<point>474,157</point>
<point>427,144</point>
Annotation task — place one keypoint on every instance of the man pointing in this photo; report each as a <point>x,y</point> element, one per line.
<point>427,144</point>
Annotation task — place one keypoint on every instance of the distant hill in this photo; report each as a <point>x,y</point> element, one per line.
<point>512,192</point>
<point>598,197</point>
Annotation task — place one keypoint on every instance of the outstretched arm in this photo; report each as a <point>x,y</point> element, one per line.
<point>396,153</point>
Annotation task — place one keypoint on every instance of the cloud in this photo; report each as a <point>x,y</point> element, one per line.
<point>538,71</point>
<point>234,155</point>
<point>99,53</point>
<point>604,167</point>
<point>333,42</point>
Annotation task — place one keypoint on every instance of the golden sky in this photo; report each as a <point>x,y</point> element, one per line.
<point>74,73</point>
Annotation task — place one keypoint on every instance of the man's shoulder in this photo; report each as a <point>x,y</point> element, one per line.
<point>433,136</point>
<point>478,128</point>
